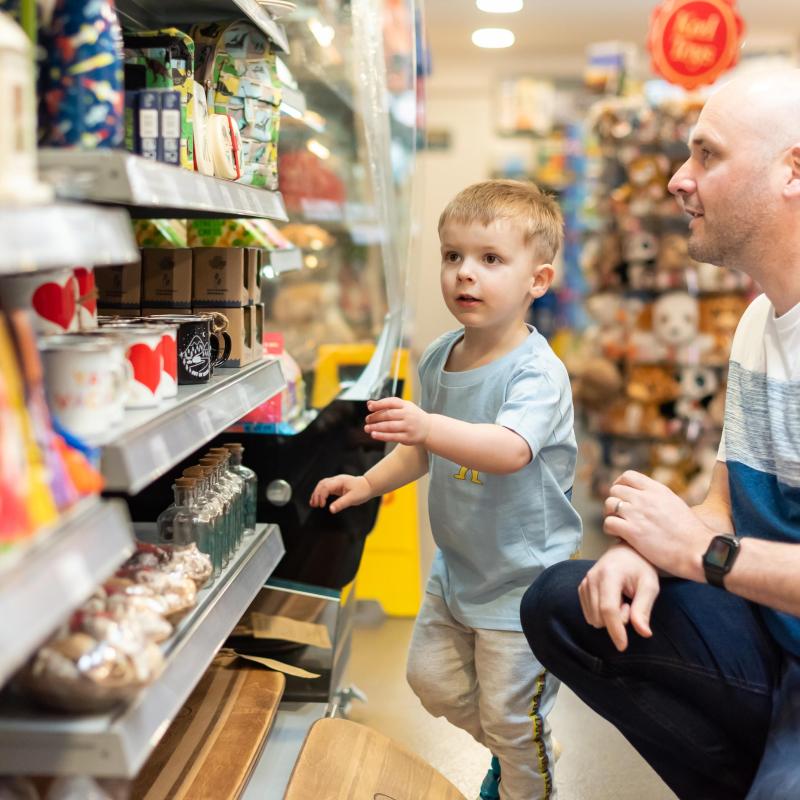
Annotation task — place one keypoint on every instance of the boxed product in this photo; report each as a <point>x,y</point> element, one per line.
<point>119,287</point>
<point>166,278</point>
<point>221,277</point>
<point>258,329</point>
<point>226,233</point>
<point>160,233</point>
<point>254,255</point>
<point>240,329</point>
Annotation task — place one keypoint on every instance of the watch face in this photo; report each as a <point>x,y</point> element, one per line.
<point>718,552</point>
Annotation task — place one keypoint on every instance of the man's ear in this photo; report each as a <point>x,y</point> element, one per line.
<point>541,280</point>
<point>792,187</point>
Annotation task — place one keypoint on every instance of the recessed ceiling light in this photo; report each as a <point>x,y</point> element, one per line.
<point>499,6</point>
<point>494,38</point>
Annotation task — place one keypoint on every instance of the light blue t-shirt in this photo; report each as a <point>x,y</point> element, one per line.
<point>496,533</point>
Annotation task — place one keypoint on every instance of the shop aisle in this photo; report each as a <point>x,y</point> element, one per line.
<point>596,762</point>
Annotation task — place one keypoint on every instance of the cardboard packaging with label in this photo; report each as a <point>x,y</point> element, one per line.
<point>119,288</point>
<point>167,278</point>
<point>240,329</point>
<point>221,277</point>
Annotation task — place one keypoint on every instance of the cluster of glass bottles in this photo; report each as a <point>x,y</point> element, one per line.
<point>214,508</point>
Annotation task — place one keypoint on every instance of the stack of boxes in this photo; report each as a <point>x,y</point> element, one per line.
<point>182,280</point>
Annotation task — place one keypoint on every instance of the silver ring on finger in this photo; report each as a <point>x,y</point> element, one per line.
<point>616,508</point>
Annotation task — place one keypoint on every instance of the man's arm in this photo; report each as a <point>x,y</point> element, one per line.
<point>715,510</point>
<point>482,446</point>
<point>673,537</point>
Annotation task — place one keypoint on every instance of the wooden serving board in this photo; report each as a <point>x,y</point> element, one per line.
<point>212,745</point>
<point>342,760</point>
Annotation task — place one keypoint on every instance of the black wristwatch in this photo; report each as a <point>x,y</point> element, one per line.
<point>720,558</point>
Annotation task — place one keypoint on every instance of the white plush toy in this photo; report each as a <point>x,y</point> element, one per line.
<point>676,320</point>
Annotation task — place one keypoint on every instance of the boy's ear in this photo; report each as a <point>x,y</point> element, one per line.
<point>541,280</point>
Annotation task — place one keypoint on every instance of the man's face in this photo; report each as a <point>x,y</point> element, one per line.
<point>487,273</point>
<point>724,186</point>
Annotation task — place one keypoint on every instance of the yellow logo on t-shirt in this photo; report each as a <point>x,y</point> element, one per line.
<point>461,475</point>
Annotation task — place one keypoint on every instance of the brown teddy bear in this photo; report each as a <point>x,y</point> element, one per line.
<point>719,316</point>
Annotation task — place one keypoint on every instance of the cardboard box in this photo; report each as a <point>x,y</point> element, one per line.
<point>258,331</point>
<point>167,278</point>
<point>240,329</point>
<point>119,287</point>
<point>255,257</point>
<point>148,139</point>
<point>221,277</point>
<point>125,313</point>
<point>171,127</point>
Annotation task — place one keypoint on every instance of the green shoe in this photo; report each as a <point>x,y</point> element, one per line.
<point>490,788</point>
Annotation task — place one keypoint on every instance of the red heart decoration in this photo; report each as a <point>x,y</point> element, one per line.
<point>56,303</point>
<point>86,288</point>
<point>146,363</point>
<point>170,352</point>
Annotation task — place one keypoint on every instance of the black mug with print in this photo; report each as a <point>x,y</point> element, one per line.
<point>203,344</point>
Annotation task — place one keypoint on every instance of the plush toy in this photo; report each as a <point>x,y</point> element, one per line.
<point>698,385</point>
<point>647,175</point>
<point>676,318</point>
<point>308,315</point>
<point>671,465</point>
<point>673,264</point>
<point>596,383</point>
<point>719,316</point>
<point>711,278</point>
<point>649,389</point>
<point>614,317</point>
<point>640,250</point>
<point>716,408</point>
<point>601,260</point>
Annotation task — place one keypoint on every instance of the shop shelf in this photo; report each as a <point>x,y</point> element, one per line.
<point>63,235</point>
<point>271,774</point>
<point>286,260</point>
<point>150,188</point>
<point>293,102</point>
<point>151,441</point>
<point>117,744</point>
<point>151,14</point>
<point>44,582</point>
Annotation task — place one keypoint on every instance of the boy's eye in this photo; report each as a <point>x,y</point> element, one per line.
<point>491,258</point>
<point>451,257</point>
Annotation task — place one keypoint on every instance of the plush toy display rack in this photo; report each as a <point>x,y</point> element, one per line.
<point>650,374</point>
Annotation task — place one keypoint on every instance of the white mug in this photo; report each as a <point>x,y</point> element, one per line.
<point>121,368</point>
<point>51,297</point>
<point>144,352</point>
<point>79,383</point>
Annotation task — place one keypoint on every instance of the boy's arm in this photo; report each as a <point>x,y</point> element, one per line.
<point>481,446</point>
<point>403,465</point>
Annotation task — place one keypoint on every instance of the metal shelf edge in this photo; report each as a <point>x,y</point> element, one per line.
<point>118,746</point>
<point>139,456</point>
<point>58,574</point>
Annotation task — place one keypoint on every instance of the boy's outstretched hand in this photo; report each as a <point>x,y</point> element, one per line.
<point>352,490</point>
<point>396,420</point>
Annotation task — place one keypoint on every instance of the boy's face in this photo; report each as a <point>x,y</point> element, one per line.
<point>489,274</point>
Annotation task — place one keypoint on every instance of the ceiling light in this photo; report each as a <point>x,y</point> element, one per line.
<point>499,6</point>
<point>493,38</point>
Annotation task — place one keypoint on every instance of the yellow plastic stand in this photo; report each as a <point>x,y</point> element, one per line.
<point>390,566</point>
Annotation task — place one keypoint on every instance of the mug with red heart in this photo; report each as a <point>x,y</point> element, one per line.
<point>169,354</point>
<point>145,353</point>
<point>87,298</point>
<point>51,296</point>
<point>79,383</point>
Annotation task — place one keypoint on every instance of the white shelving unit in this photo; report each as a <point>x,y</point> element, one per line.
<point>150,188</point>
<point>165,13</point>
<point>63,235</point>
<point>118,743</point>
<point>151,441</point>
<point>43,584</point>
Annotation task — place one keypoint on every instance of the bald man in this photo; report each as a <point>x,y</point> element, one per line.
<point>686,633</point>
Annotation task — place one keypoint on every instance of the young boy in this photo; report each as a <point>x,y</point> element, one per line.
<point>494,430</point>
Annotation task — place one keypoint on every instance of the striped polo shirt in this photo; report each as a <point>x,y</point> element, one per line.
<point>761,439</point>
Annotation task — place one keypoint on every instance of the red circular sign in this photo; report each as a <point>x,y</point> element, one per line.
<point>692,42</point>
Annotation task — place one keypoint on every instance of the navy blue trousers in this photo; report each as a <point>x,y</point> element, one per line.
<point>695,700</point>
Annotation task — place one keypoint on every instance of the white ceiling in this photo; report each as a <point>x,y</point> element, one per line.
<point>565,27</point>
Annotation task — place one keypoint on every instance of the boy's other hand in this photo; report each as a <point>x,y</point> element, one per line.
<point>396,420</point>
<point>352,490</point>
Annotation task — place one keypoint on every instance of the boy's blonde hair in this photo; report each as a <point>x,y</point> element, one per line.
<point>519,201</point>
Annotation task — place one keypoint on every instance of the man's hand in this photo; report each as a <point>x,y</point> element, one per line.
<point>396,420</point>
<point>352,490</point>
<point>656,523</point>
<point>620,588</point>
